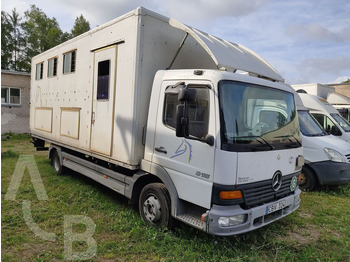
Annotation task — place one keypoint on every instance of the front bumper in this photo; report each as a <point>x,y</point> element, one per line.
<point>331,173</point>
<point>256,217</point>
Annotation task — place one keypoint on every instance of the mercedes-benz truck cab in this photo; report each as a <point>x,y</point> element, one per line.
<point>249,168</point>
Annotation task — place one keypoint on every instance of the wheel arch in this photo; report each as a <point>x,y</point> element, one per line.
<point>156,174</point>
<point>309,166</point>
<point>53,149</point>
<point>312,180</point>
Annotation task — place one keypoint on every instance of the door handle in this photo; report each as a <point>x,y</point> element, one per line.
<point>161,150</point>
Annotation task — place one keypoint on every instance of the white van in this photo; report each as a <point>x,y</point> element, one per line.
<point>328,117</point>
<point>326,157</point>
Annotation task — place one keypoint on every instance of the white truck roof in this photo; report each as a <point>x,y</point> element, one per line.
<point>230,56</point>
<point>338,99</point>
<point>316,103</point>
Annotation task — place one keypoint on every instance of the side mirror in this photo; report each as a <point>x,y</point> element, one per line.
<point>209,139</point>
<point>181,123</point>
<point>335,131</point>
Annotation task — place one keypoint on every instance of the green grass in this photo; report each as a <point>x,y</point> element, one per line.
<point>318,231</point>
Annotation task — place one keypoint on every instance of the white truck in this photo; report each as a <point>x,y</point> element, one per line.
<point>327,157</point>
<point>156,111</point>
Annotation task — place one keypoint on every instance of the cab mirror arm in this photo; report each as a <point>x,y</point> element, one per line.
<point>181,122</point>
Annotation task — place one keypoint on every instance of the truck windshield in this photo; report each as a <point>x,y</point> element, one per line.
<point>342,122</point>
<point>309,126</point>
<point>256,118</point>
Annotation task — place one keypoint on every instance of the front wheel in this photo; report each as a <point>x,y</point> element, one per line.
<point>308,180</point>
<point>154,206</point>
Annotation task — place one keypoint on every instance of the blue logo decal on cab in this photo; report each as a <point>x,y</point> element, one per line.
<point>185,147</point>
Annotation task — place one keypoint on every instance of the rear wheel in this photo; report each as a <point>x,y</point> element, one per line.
<point>155,207</point>
<point>308,181</point>
<point>56,163</point>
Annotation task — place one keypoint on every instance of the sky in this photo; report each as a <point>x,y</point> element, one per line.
<point>305,41</point>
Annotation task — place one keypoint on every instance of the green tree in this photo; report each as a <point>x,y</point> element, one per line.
<point>41,33</point>
<point>12,41</point>
<point>6,48</point>
<point>17,40</point>
<point>81,26</point>
<point>38,33</point>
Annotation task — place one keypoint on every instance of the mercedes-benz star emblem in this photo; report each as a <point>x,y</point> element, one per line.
<point>277,181</point>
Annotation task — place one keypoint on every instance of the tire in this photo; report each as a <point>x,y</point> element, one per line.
<point>155,207</point>
<point>56,163</point>
<point>308,181</point>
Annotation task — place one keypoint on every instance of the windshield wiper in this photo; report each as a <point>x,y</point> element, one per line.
<point>260,140</point>
<point>288,137</point>
<point>318,134</point>
<point>267,143</point>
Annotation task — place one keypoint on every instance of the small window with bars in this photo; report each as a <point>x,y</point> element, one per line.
<point>39,71</point>
<point>52,67</point>
<point>69,62</point>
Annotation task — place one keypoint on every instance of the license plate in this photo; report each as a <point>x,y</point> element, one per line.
<point>275,207</point>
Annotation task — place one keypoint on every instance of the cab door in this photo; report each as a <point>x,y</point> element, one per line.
<point>189,162</point>
<point>103,100</point>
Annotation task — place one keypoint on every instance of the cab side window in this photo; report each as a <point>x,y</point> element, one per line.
<point>325,122</point>
<point>196,111</point>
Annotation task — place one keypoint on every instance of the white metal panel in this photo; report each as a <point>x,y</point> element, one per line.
<point>70,122</point>
<point>254,166</point>
<point>225,167</point>
<point>43,119</point>
<point>229,55</point>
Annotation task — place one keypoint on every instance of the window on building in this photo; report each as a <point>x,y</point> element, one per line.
<point>69,60</point>
<point>197,112</point>
<point>4,95</point>
<point>103,80</point>
<point>10,96</point>
<point>52,67</point>
<point>39,71</point>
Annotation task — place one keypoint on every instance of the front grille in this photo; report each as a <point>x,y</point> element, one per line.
<point>259,193</point>
<point>348,157</point>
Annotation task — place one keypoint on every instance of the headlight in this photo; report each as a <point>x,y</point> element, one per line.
<point>232,221</point>
<point>334,155</point>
